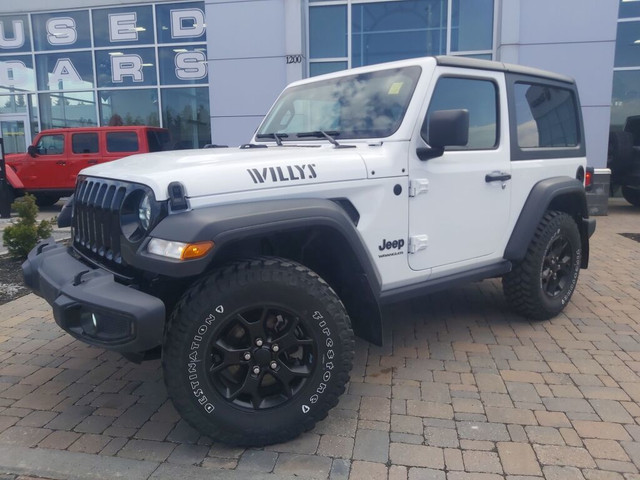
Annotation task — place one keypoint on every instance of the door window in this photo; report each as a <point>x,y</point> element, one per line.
<point>479,98</point>
<point>122,142</point>
<point>50,145</point>
<point>84,143</point>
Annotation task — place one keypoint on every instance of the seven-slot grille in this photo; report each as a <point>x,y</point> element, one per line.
<point>96,219</point>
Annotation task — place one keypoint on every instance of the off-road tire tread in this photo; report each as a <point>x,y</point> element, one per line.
<point>235,275</point>
<point>519,285</point>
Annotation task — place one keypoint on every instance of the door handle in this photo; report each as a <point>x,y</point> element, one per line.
<point>497,177</point>
<point>61,162</point>
<point>92,162</point>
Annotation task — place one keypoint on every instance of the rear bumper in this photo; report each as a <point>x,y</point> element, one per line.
<point>90,305</point>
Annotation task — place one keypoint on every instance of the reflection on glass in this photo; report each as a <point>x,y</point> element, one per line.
<point>471,25</point>
<point>626,97</point>
<point>129,107</point>
<point>320,68</point>
<point>628,45</point>
<point>479,98</point>
<point>546,116</point>
<point>65,71</point>
<point>183,22</point>
<point>126,67</point>
<point>15,31</point>
<point>183,65</point>
<point>16,73</point>
<point>368,105</point>
<point>122,26</point>
<point>13,103</point>
<point>328,31</point>
<point>61,30</point>
<point>386,31</point>
<point>72,109</point>
<point>185,112</point>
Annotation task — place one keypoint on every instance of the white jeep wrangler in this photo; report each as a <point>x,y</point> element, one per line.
<point>250,267</point>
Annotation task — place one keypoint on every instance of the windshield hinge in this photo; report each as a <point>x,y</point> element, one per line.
<point>418,186</point>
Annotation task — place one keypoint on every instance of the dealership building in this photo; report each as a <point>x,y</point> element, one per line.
<point>209,70</point>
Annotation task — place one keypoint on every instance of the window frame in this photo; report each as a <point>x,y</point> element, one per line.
<point>496,86</point>
<point>542,153</point>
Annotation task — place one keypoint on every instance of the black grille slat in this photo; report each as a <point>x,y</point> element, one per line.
<point>96,221</point>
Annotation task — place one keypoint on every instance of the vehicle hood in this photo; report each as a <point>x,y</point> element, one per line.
<point>214,171</point>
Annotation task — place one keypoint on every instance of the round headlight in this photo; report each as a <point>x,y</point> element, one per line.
<point>144,212</point>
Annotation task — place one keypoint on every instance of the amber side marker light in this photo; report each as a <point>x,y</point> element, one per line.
<point>179,250</point>
<point>196,250</point>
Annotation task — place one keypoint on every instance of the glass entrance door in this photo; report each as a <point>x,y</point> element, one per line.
<point>14,129</point>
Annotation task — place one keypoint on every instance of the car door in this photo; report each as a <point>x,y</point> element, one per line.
<point>459,205</point>
<point>85,152</point>
<point>47,170</point>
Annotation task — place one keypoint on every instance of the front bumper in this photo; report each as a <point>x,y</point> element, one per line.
<point>90,305</point>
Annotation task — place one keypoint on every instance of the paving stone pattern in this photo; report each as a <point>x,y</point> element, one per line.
<point>462,390</point>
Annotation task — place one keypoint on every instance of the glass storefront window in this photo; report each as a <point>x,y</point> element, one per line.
<point>628,44</point>
<point>129,107</point>
<point>471,25</point>
<point>323,20</point>
<point>386,31</point>
<point>626,97</point>
<point>182,22</point>
<point>126,67</point>
<point>16,73</point>
<point>16,103</point>
<point>62,30</point>
<point>65,71</point>
<point>320,68</point>
<point>69,109</point>
<point>123,26</point>
<point>185,112</point>
<point>629,9</point>
<point>180,65</point>
<point>15,34</point>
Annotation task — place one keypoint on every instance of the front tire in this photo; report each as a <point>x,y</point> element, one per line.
<point>542,284</point>
<point>257,352</point>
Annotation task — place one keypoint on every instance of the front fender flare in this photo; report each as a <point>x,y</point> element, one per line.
<point>226,224</point>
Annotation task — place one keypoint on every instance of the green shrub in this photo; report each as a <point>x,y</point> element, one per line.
<point>23,235</point>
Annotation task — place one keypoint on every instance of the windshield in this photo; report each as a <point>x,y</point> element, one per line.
<point>368,105</point>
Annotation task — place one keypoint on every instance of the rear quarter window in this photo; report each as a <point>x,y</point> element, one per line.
<point>545,119</point>
<point>122,142</point>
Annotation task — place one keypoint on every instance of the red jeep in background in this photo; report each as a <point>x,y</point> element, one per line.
<point>49,168</point>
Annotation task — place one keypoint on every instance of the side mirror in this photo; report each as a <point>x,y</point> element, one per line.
<point>446,128</point>
<point>33,151</point>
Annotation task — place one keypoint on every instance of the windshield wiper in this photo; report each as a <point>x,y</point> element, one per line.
<point>328,134</point>
<point>276,136</point>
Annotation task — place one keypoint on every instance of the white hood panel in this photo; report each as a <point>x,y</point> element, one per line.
<point>215,171</point>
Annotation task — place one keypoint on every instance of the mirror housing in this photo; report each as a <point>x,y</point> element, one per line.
<point>32,150</point>
<point>447,128</point>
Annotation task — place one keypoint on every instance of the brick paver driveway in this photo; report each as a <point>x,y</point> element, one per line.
<point>463,389</point>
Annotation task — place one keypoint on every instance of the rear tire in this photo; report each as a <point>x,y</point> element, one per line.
<point>631,195</point>
<point>257,352</point>
<point>542,284</point>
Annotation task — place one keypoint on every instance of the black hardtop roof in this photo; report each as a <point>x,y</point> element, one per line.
<point>463,62</point>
